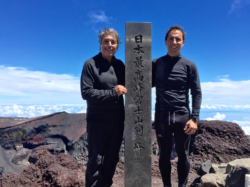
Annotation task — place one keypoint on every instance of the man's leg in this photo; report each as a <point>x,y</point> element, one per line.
<point>111,156</point>
<point>97,138</point>
<point>182,142</point>
<point>164,138</point>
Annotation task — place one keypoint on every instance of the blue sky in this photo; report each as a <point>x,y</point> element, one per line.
<point>44,44</point>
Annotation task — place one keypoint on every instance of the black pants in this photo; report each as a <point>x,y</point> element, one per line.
<point>104,141</point>
<point>166,125</point>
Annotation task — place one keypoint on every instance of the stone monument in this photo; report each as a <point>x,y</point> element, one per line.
<point>247,180</point>
<point>138,62</point>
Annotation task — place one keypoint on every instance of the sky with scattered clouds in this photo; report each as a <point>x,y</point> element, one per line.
<point>44,45</point>
<point>99,16</point>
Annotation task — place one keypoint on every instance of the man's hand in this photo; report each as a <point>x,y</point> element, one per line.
<point>120,90</point>
<point>190,127</point>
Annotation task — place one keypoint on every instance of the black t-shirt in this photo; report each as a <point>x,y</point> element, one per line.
<point>173,77</point>
<point>98,81</point>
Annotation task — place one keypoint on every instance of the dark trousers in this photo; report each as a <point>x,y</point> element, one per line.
<point>104,141</point>
<point>166,125</point>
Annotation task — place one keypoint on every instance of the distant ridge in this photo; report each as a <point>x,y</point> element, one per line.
<point>7,122</point>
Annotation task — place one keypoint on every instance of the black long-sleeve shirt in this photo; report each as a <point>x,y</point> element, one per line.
<point>98,81</point>
<point>173,77</point>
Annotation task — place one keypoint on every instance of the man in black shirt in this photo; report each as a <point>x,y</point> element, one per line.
<point>173,75</point>
<point>102,85</point>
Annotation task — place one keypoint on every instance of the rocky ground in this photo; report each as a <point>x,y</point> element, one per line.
<point>63,171</point>
<point>47,150</point>
<point>219,142</point>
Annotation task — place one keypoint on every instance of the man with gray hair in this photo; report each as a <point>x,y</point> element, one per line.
<point>102,86</point>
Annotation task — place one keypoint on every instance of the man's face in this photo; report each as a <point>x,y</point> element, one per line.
<point>109,46</point>
<point>174,42</point>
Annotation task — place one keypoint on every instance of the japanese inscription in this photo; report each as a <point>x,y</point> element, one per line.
<point>138,87</point>
<point>138,39</point>
<point>138,77</point>
<point>138,129</point>
<point>138,62</point>
<point>137,100</point>
<point>138,105</point>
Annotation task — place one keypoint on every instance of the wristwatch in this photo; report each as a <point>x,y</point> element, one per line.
<point>196,120</point>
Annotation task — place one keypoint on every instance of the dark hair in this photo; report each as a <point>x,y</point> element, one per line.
<point>175,27</point>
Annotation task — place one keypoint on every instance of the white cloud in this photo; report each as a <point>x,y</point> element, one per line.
<point>47,81</point>
<point>245,125</point>
<point>217,116</point>
<point>226,92</point>
<point>99,16</point>
<point>226,107</point>
<point>223,76</point>
<point>246,129</point>
<point>242,123</point>
<point>69,110</point>
<point>31,111</point>
<point>82,111</point>
<point>208,107</point>
<point>20,85</point>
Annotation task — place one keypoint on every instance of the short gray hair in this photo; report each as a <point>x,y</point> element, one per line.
<point>112,31</point>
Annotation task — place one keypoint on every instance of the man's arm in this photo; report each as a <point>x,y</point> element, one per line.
<point>191,126</point>
<point>195,92</point>
<point>87,87</point>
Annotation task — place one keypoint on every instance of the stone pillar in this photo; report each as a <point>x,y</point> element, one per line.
<point>247,180</point>
<point>138,62</point>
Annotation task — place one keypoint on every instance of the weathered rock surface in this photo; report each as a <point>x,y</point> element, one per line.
<point>236,177</point>
<point>219,142</point>
<point>219,168</point>
<point>214,180</point>
<point>238,163</point>
<point>49,170</point>
<point>26,142</point>
<point>229,175</point>
<point>204,168</point>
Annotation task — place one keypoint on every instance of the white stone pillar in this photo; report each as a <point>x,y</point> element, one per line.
<point>247,180</point>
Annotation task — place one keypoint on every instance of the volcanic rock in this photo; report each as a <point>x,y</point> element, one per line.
<point>21,156</point>
<point>213,180</point>
<point>218,168</point>
<point>205,168</point>
<point>236,177</point>
<point>26,142</point>
<point>238,163</point>
<point>219,142</point>
<point>49,170</point>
